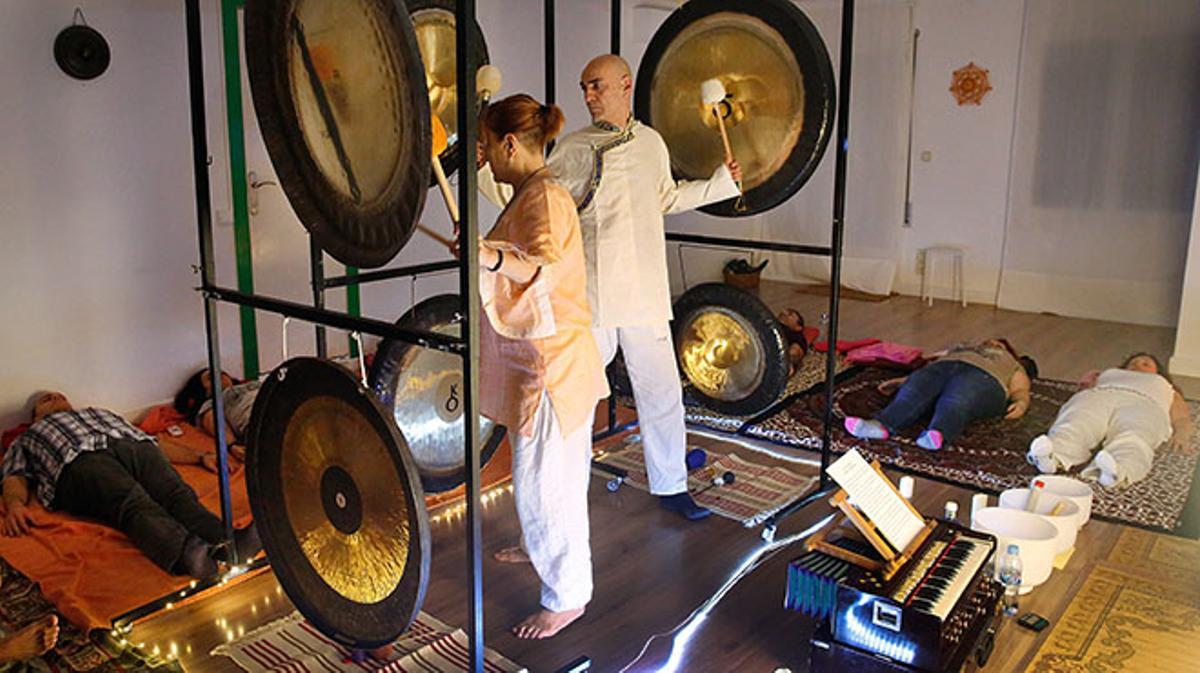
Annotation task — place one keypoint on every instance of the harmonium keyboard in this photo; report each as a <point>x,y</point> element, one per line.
<point>928,614</point>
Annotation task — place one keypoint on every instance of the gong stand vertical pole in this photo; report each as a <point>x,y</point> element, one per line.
<point>204,226</point>
<point>615,29</point>
<point>317,263</point>
<point>839,213</point>
<point>548,57</point>
<point>468,278</point>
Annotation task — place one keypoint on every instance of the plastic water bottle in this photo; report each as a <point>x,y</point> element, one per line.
<point>1010,577</point>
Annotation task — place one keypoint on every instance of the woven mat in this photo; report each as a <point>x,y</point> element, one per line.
<point>758,491</point>
<point>292,644</point>
<point>22,603</point>
<point>808,376</point>
<point>990,455</point>
<point>1125,621</point>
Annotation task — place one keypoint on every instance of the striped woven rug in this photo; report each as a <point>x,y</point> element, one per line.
<point>757,492</point>
<point>293,645</point>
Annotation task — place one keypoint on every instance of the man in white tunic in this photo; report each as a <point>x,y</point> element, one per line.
<point>619,173</point>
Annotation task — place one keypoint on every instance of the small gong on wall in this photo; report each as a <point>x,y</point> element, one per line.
<point>81,51</point>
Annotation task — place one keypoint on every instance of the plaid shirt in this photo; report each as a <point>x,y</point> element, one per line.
<point>40,453</point>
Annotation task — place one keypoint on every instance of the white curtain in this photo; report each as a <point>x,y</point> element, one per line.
<point>1107,136</point>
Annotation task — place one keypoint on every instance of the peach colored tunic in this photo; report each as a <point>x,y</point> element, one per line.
<point>537,336</point>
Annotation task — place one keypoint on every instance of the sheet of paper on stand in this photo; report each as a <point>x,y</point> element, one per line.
<point>881,503</point>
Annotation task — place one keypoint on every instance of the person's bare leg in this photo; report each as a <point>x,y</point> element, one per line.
<point>32,641</point>
<point>511,555</point>
<point>545,623</point>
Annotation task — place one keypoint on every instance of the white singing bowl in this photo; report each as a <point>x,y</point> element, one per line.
<point>1058,486</point>
<point>1036,537</point>
<point>1066,521</point>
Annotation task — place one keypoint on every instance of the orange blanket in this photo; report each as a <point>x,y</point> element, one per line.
<point>91,572</point>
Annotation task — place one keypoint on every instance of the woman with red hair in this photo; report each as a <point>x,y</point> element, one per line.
<point>544,371</point>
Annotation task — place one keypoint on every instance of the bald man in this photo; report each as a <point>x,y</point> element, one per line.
<point>619,172</point>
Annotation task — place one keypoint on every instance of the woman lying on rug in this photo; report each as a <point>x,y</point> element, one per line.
<point>194,402</point>
<point>1127,412</point>
<point>965,383</point>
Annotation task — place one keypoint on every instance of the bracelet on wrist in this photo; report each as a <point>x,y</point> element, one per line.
<point>499,260</point>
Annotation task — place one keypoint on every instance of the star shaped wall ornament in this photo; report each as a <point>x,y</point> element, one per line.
<point>970,84</point>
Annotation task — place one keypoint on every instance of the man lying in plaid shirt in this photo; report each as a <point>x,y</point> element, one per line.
<point>92,463</point>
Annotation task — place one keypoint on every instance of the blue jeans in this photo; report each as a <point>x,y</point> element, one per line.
<point>956,392</point>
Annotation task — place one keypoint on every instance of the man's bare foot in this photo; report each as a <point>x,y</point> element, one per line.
<point>32,641</point>
<point>209,462</point>
<point>545,623</point>
<point>512,555</point>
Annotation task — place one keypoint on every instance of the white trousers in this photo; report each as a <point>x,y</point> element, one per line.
<point>1127,426</point>
<point>650,361</point>
<point>550,485</point>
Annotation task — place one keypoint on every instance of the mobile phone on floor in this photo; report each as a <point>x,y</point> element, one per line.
<point>1033,621</point>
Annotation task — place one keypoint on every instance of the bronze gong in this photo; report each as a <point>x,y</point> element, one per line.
<point>435,27</point>
<point>337,502</point>
<point>338,89</point>
<point>731,349</point>
<point>779,102</point>
<point>423,389</point>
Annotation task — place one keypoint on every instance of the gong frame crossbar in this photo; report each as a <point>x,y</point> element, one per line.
<point>466,346</point>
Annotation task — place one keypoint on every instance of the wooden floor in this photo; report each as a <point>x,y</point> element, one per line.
<point>652,569</point>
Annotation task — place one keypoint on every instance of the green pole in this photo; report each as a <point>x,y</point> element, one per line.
<point>353,306</point>
<point>237,174</point>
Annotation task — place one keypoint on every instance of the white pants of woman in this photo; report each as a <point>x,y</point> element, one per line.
<point>550,486</point>
<point>1127,426</point>
<point>650,360</point>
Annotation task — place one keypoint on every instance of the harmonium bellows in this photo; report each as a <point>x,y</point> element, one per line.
<point>929,615</point>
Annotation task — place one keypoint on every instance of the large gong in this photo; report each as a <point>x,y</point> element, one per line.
<point>339,91</point>
<point>779,102</point>
<point>435,26</point>
<point>423,389</point>
<point>731,349</point>
<point>337,502</point>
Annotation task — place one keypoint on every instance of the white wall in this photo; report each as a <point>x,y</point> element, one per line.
<point>1186,360</point>
<point>97,210</point>
<point>959,194</point>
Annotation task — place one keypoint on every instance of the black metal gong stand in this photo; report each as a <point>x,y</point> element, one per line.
<point>466,346</point>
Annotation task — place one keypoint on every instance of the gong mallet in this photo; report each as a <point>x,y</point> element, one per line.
<point>440,142</point>
<point>723,480</point>
<point>712,94</point>
<point>487,82</point>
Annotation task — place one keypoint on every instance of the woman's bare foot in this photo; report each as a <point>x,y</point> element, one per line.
<point>32,641</point>
<point>545,623</point>
<point>512,555</point>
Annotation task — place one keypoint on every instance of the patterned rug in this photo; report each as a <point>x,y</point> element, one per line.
<point>22,603</point>
<point>1125,621</point>
<point>757,492</point>
<point>292,645</point>
<point>990,455</point>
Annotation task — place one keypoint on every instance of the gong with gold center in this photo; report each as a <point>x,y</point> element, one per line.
<point>779,95</point>
<point>423,388</point>
<point>731,348</point>
<point>338,503</point>
<point>339,93</point>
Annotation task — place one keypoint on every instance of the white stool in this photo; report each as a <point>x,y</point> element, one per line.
<point>943,253</point>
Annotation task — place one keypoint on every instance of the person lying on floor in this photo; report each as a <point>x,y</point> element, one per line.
<point>92,463</point>
<point>1127,413</point>
<point>33,640</point>
<point>194,402</point>
<point>965,383</point>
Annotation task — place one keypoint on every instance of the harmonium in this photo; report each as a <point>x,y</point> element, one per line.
<point>928,605</point>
